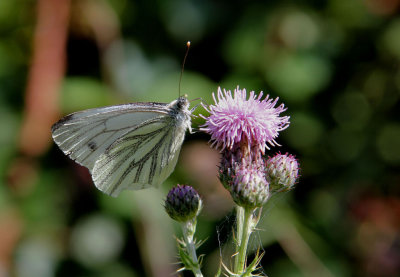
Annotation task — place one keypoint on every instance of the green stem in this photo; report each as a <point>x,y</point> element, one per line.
<point>243,242</point>
<point>239,230</point>
<point>189,228</point>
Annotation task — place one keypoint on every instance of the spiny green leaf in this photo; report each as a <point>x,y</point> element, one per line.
<point>187,260</point>
<point>253,266</point>
<point>199,243</point>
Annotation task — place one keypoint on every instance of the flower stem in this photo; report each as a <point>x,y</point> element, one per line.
<point>244,233</point>
<point>239,230</point>
<point>188,229</point>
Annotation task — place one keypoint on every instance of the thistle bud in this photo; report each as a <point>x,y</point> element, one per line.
<point>228,162</point>
<point>282,172</point>
<point>249,188</point>
<point>183,203</point>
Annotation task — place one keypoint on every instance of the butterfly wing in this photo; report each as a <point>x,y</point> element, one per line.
<point>130,146</point>
<point>143,157</point>
<point>85,135</point>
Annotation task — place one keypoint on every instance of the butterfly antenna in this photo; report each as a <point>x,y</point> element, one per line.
<point>183,66</point>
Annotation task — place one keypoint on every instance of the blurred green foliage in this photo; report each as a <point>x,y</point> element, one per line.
<point>335,65</point>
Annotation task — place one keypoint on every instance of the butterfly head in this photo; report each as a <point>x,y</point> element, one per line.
<point>179,109</point>
<point>182,103</point>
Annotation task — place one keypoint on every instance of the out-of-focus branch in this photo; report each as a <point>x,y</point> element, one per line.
<point>11,227</point>
<point>45,75</point>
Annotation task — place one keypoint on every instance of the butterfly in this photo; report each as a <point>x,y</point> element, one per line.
<point>129,146</point>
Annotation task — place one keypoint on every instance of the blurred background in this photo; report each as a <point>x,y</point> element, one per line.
<point>335,65</point>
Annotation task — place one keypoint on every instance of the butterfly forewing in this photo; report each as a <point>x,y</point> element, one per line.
<point>84,136</point>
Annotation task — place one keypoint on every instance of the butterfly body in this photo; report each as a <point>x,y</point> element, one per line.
<point>129,146</point>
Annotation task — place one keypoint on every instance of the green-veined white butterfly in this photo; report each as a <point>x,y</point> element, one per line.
<point>129,146</point>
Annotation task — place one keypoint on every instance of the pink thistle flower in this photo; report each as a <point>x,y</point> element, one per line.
<point>235,120</point>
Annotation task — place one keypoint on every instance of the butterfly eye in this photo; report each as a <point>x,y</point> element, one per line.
<point>179,104</point>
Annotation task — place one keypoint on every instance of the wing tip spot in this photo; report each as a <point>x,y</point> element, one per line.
<point>61,122</point>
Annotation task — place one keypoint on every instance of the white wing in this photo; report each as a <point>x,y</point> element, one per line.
<point>84,136</point>
<point>130,146</point>
<point>143,157</point>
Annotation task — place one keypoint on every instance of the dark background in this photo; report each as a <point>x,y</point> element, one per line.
<point>335,65</point>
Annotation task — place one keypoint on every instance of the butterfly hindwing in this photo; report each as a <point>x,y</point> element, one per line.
<point>143,157</point>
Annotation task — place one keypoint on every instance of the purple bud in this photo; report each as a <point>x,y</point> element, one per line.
<point>183,203</point>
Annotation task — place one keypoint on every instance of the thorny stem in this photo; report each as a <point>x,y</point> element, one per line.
<point>188,229</point>
<point>245,226</point>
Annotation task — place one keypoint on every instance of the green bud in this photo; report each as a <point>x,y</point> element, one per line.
<point>250,189</point>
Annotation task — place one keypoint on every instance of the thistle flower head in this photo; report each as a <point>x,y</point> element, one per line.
<point>249,187</point>
<point>234,119</point>
<point>183,203</point>
<point>282,172</point>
